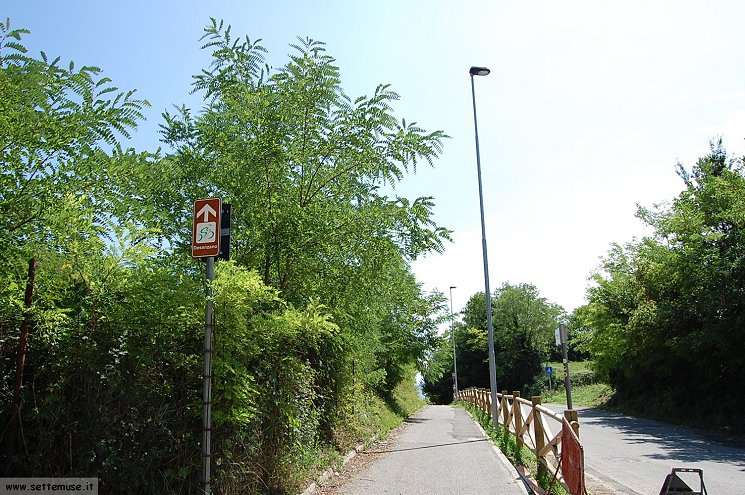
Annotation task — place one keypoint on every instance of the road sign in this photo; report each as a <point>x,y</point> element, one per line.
<point>205,233</point>
<point>225,232</point>
<point>549,370</point>
<point>557,336</point>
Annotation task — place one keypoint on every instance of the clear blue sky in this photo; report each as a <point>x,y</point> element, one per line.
<point>588,107</point>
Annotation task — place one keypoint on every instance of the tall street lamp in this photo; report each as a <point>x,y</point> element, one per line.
<point>483,71</point>
<point>452,335</point>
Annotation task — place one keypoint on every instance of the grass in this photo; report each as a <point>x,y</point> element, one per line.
<point>371,416</point>
<point>575,367</point>
<point>508,445</point>
<point>585,392</point>
<point>593,395</point>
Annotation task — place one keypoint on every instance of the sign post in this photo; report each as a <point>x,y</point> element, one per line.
<point>207,384</point>
<point>205,243</point>
<point>563,334</point>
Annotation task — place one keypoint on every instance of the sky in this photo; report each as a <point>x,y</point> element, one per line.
<point>587,110</point>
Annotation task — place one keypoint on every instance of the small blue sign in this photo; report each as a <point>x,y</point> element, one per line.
<point>549,370</point>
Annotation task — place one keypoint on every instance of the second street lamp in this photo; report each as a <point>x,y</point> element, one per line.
<point>452,335</point>
<point>483,71</point>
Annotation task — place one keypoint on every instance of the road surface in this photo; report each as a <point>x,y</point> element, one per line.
<point>634,455</point>
<point>440,452</point>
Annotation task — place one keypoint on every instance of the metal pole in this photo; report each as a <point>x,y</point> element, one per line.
<point>452,335</point>
<point>487,293</point>
<point>207,386</point>
<point>565,352</point>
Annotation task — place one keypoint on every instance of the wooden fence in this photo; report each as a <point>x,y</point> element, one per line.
<point>540,429</point>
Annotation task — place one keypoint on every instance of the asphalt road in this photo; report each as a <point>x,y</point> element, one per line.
<point>441,451</point>
<point>634,455</point>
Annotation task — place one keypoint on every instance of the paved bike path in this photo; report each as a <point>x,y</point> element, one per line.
<point>441,451</point>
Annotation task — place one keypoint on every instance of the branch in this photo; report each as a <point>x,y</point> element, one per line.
<point>331,179</point>
<point>27,220</point>
<point>314,174</point>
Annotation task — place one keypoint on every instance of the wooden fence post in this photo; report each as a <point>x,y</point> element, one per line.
<point>571,416</point>
<point>517,418</point>
<point>505,410</point>
<point>540,439</point>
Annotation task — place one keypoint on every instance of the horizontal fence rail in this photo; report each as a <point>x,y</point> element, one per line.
<point>541,430</point>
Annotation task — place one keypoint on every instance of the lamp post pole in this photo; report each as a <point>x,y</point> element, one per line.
<point>452,335</point>
<point>483,71</point>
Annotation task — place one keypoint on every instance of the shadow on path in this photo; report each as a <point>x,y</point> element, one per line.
<point>424,447</point>
<point>415,420</point>
<point>675,442</point>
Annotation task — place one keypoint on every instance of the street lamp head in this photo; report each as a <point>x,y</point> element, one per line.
<point>453,287</point>
<point>479,71</point>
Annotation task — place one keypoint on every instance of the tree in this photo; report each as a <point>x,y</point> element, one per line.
<point>667,311</point>
<point>524,322</point>
<point>54,124</point>
<point>303,164</point>
<point>320,291</point>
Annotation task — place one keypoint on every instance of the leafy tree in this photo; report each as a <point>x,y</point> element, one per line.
<point>55,123</point>
<point>319,294</point>
<point>667,311</point>
<point>523,321</point>
<point>303,164</point>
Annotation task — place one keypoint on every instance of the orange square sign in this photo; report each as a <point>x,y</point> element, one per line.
<point>205,231</point>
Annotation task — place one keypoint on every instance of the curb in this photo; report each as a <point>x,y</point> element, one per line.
<point>327,474</point>
<point>503,459</point>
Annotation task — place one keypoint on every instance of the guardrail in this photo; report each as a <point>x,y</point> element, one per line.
<point>553,439</point>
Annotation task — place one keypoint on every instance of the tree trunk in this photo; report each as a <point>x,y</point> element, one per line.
<point>28,300</point>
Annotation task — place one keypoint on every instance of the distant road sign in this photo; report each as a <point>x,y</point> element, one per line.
<point>205,233</point>
<point>549,370</point>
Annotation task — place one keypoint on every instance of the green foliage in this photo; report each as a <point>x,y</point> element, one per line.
<point>667,312</point>
<point>320,323</point>
<point>524,323</point>
<point>302,165</point>
<point>54,122</point>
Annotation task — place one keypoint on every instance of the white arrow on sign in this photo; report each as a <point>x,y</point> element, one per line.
<point>207,210</point>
